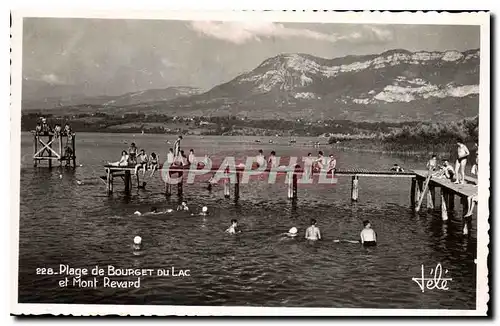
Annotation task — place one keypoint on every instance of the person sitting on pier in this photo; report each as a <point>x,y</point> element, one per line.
<point>191,157</point>
<point>153,163</point>
<point>57,130</point>
<point>272,161</point>
<point>368,235</point>
<point>46,130</point>
<point>260,159</point>
<point>320,162</point>
<point>170,157</point>
<point>447,168</point>
<point>132,153</point>
<point>123,160</point>
<point>233,229</point>
<point>38,128</point>
<point>67,131</point>
<point>432,164</point>
<point>142,162</point>
<point>461,162</point>
<point>312,232</point>
<point>397,168</point>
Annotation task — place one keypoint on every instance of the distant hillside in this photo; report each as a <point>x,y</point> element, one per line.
<point>396,85</point>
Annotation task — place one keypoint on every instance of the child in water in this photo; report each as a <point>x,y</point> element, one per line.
<point>368,235</point>
<point>183,207</point>
<point>312,232</point>
<point>233,229</point>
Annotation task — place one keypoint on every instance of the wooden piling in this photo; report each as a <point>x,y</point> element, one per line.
<point>50,151</point>
<point>180,176</point>
<point>412,192</point>
<point>138,181</point>
<point>451,204</point>
<point>127,180</point>
<point>35,150</point>
<point>444,202</point>
<point>465,220</point>
<point>420,186</point>
<point>294,182</point>
<point>108,182</point>
<point>60,150</point>
<point>74,149</point>
<point>431,197</point>
<point>111,180</point>
<point>237,186</point>
<point>290,187</point>
<point>227,191</point>
<point>168,186</point>
<point>354,188</point>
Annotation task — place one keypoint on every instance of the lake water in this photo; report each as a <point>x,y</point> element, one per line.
<point>62,222</point>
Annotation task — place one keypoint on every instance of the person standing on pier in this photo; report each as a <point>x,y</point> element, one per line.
<point>170,157</point>
<point>332,163</point>
<point>132,153</point>
<point>312,232</point>
<point>461,162</point>
<point>177,146</point>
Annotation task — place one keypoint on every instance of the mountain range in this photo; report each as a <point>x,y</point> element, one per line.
<point>396,85</point>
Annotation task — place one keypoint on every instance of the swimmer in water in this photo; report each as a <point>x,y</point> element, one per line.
<point>233,229</point>
<point>312,232</point>
<point>292,232</point>
<point>137,242</point>
<point>183,207</point>
<point>368,235</point>
<point>204,211</point>
<point>154,211</point>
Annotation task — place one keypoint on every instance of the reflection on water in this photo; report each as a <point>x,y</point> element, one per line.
<point>63,222</point>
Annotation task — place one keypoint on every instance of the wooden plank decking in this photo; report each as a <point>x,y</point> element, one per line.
<point>466,190</point>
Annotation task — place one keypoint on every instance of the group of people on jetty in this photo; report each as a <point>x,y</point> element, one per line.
<point>43,128</point>
<point>446,170</point>
<point>177,157</point>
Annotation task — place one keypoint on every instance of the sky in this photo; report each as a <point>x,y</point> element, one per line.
<point>115,56</point>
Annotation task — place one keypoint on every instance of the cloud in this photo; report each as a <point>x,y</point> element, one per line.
<point>52,79</point>
<point>241,32</point>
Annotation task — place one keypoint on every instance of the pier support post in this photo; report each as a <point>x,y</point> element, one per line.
<point>451,204</point>
<point>50,152</point>
<point>35,150</point>
<point>127,180</point>
<point>237,186</point>
<point>431,195</point>
<point>60,150</point>
<point>180,184</point>
<point>354,188</point>
<point>111,178</point>
<point>227,191</point>
<point>412,192</point>
<point>420,186</point>
<point>168,185</point>
<point>138,181</point>
<point>465,220</point>
<point>74,149</point>
<point>444,202</point>
<point>294,182</point>
<point>108,182</point>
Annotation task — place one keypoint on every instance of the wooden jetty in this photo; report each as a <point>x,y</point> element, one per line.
<point>422,186</point>
<point>54,147</point>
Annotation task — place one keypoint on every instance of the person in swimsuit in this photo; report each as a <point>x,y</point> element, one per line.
<point>292,232</point>
<point>153,163</point>
<point>308,165</point>
<point>463,153</point>
<point>123,160</point>
<point>177,146</point>
<point>233,229</point>
<point>260,159</point>
<point>132,153</point>
<point>191,157</point>
<point>332,163</point>
<point>321,161</point>
<point>397,168</point>
<point>474,169</point>
<point>312,232</point>
<point>142,162</point>
<point>183,207</point>
<point>273,161</point>
<point>368,235</point>
<point>432,164</point>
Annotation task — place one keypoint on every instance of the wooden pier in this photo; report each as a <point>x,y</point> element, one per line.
<point>422,187</point>
<point>49,147</point>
